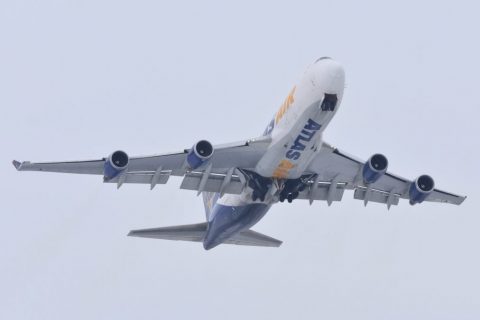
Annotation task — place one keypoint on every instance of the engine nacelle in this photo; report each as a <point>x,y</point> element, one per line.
<point>374,168</point>
<point>115,163</point>
<point>420,189</point>
<point>200,153</point>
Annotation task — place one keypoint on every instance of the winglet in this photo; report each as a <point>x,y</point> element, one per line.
<point>17,164</point>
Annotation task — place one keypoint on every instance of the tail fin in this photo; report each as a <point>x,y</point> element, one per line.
<point>209,200</point>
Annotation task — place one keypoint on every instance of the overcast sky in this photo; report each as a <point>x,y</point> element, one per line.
<point>80,79</point>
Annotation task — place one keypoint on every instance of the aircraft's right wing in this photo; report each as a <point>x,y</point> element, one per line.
<point>219,175</point>
<point>336,171</point>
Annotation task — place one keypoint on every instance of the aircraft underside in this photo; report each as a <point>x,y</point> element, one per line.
<point>240,181</point>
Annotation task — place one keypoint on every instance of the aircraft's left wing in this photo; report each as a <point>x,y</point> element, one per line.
<point>218,175</point>
<point>337,171</point>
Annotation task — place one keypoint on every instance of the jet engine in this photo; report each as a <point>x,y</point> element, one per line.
<point>114,164</point>
<point>374,168</point>
<point>200,153</point>
<point>420,189</point>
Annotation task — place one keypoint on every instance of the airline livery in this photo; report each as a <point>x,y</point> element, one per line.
<point>239,182</point>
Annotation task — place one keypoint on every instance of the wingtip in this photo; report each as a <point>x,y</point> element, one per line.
<point>17,164</point>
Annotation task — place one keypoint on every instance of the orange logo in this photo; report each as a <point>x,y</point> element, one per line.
<point>282,170</point>
<point>286,104</point>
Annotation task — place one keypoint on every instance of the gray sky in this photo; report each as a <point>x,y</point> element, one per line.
<point>79,79</point>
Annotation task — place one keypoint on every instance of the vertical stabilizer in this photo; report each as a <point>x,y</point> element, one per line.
<point>209,200</point>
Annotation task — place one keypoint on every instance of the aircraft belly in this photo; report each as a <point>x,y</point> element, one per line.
<point>227,221</point>
<point>290,154</point>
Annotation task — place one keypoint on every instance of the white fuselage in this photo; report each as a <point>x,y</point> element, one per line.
<point>297,127</point>
<point>299,123</point>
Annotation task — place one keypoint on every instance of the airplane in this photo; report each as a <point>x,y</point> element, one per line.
<point>240,181</point>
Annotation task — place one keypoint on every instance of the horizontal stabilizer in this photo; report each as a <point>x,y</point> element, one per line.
<point>196,233</point>
<point>253,238</point>
<point>190,232</point>
<point>16,164</point>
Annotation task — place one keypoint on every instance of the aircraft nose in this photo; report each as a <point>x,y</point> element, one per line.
<point>330,74</point>
<point>335,70</point>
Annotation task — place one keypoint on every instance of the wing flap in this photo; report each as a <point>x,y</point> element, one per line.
<point>213,183</point>
<point>142,178</point>
<point>375,195</point>
<point>323,190</point>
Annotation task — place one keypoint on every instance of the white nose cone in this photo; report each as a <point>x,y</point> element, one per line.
<point>329,75</point>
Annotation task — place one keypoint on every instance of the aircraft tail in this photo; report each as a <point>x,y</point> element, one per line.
<point>209,200</point>
<point>196,233</point>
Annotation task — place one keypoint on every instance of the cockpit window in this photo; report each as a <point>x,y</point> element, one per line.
<point>322,58</point>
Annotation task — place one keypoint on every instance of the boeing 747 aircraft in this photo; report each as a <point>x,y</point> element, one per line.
<point>241,181</point>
